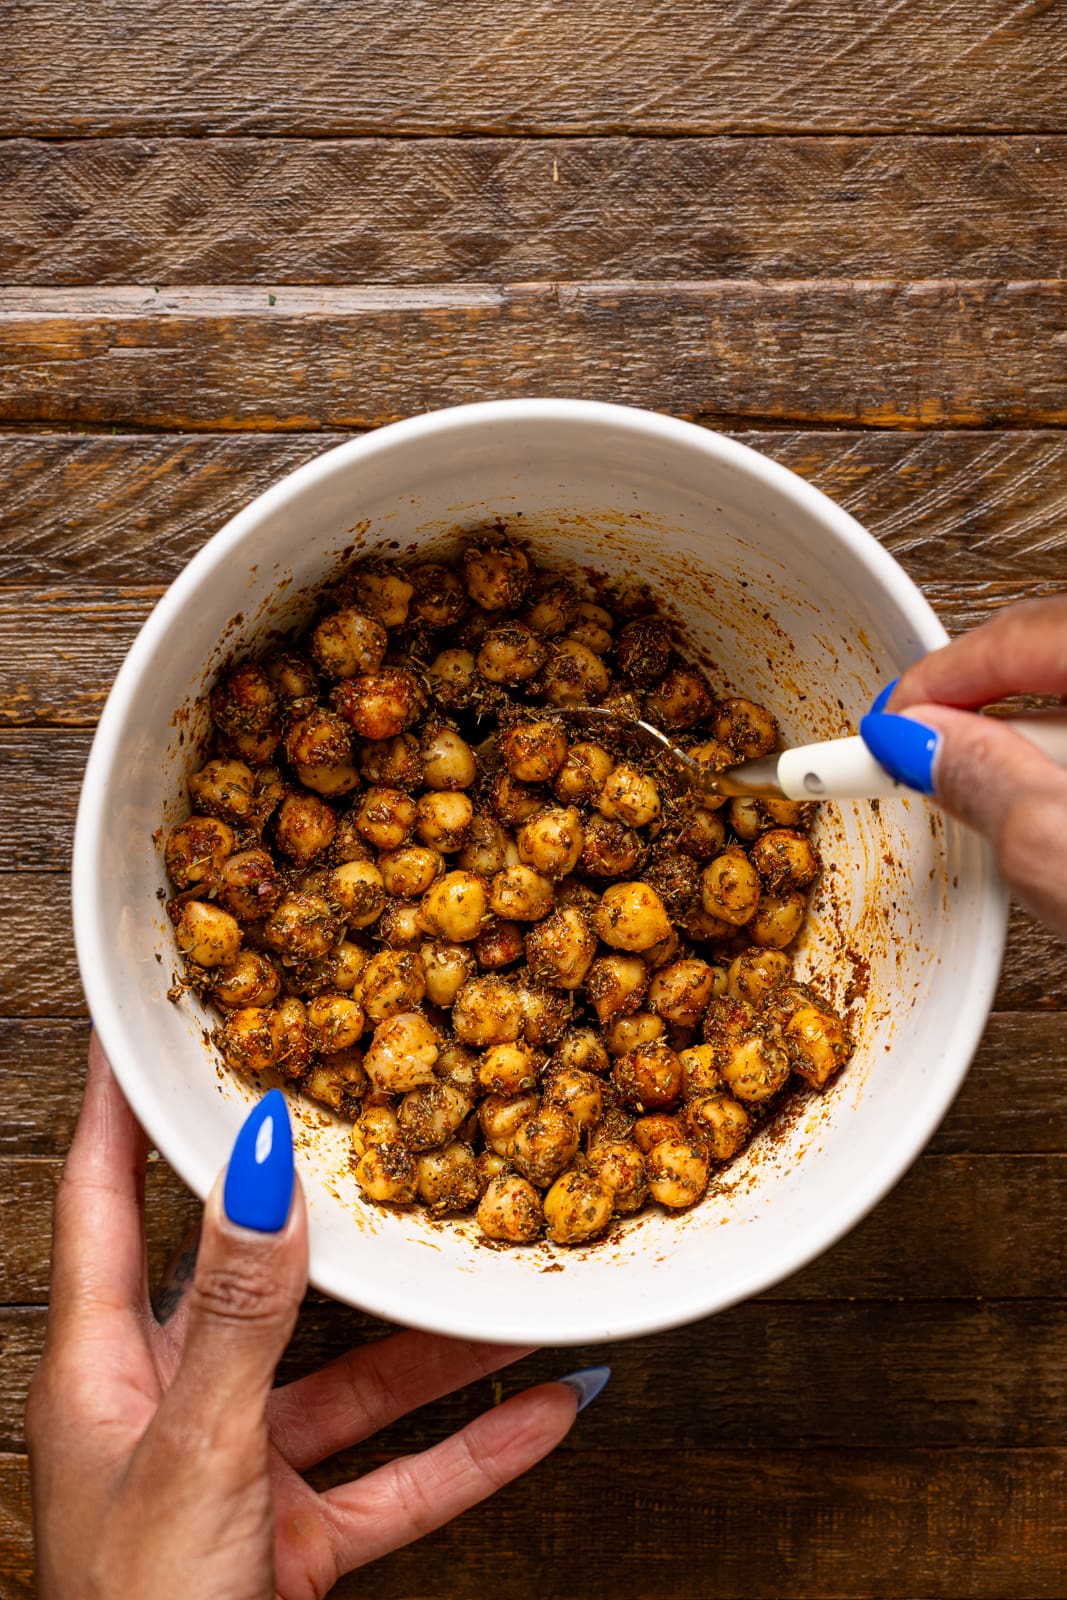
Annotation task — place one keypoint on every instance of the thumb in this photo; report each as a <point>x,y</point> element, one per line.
<point>251,1273</point>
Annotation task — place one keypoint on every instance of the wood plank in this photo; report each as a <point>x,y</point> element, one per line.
<point>721,1524</point>
<point>188,211</point>
<point>131,510</point>
<point>955,1228</point>
<point>366,68</point>
<point>876,353</point>
<point>39,798</point>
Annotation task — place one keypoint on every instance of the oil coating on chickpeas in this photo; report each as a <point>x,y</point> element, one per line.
<point>542,985</point>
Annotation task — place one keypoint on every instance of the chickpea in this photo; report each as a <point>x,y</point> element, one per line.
<point>486,846</point>
<point>402,1053</point>
<point>348,843</point>
<point>376,1125</point>
<point>393,763</point>
<point>250,979</point>
<point>447,759</point>
<point>409,871</point>
<point>579,1094</point>
<point>747,728</point>
<point>195,851</point>
<point>573,891</point>
<point>388,1174</point>
<point>788,813</point>
<point>674,876</point>
<point>624,1034</point>
<point>209,936</point>
<point>501,1116</point>
<point>500,944</point>
<point>730,887</point>
<point>302,927</point>
<point>752,973</point>
<point>698,925</point>
<point>319,739</point>
<point>520,894</point>
<point>392,982</point>
<point>385,592</point>
<point>543,1145</point>
<point>400,925</point>
<point>250,886</point>
<point>246,1040</point>
<point>680,700</point>
<point>430,1115</point>
<point>681,992</point>
<point>546,1011</point>
<point>510,654</point>
<point>447,968</point>
<point>720,1122</point>
<point>491,1166</point>
<point>583,774</point>
<point>334,1022</point>
<point>455,907</point>
<point>580,1050</point>
<point>304,827</point>
<point>381,704</point>
<point>447,1179</point>
<point>643,651</point>
<point>512,802</point>
<point>437,596</point>
<point>779,918</point>
<point>357,888</point>
<point>593,628</point>
<point>610,849</point>
<point>255,748</point>
<point>578,1207</point>
<point>551,842</point>
<point>532,751</point>
<point>560,949</point>
<point>702,835</point>
<point>662,953</point>
<point>508,1069</point>
<point>443,819</point>
<point>458,1065</point>
<point>754,1067</point>
<point>339,1081</point>
<point>648,1132</point>
<point>496,577</point>
<point>510,1211</point>
<point>631,916</point>
<point>386,817</point>
<point>487,1010</point>
<point>340,969</point>
<point>453,676</point>
<point>616,1125</point>
<point>629,796</point>
<point>784,859</point>
<point>818,1044</point>
<point>650,1077</point>
<point>747,819</point>
<point>289,1027</point>
<point>244,701</point>
<point>700,1070</point>
<point>292,675</point>
<point>678,1172</point>
<point>223,789</point>
<point>347,643</point>
<point>619,1167</point>
<point>574,675</point>
<point>553,608</point>
<point>615,985</point>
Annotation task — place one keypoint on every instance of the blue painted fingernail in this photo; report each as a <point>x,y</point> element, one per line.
<point>259,1179</point>
<point>587,1383</point>
<point>880,702</point>
<point>905,748</point>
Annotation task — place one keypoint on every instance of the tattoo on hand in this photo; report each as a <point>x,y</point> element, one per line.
<point>177,1277</point>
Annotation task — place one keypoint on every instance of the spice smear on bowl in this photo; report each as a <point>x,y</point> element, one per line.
<point>541,981</point>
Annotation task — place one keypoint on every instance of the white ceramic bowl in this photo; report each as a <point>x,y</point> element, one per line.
<point>791,601</point>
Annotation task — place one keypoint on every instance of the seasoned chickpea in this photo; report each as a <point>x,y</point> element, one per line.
<point>520,894</point>
<point>818,1044</point>
<point>257,747</point>
<point>357,888</point>
<point>376,1124</point>
<point>680,700</point>
<point>448,762</point>
<point>577,1207</point>
<point>453,676</point>
<point>784,859</point>
<point>779,918</point>
<point>392,982</point>
<point>455,907</point>
<point>593,628</point>
<point>410,871</point>
<point>551,841</point>
<point>720,1122</point>
<point>561,947</point>
<point>610,849</point>
<point>678,1172</point>
<point>581,1050</point>
<point>487,1010</point>
<point>289,1027</point>
<point>615,985</point>
<point>496,577</point>
<point>574,675</point>
<point>438,597</point>
<point>674,876</point>
<point>247,1041</point>
<point>755,1066</point>
<point>244,701</point>
<point>747,728</point>
<point>448,1179</point>
<point>334,1021</point>
<point>510,1211</point>
<point>500,944</point>
<point>338,1080</point>
<point>380,705</point>
<point>491,1166</point>
<point>196,850</point>
<point>347,643</point>
<point>546,1011</point>
<point>224,789</point>
<point>681,991</point>
<point>579,1094</point>
<point>431,1115</point>
<point>544,1144</point>
<point>385,817</point>
<point>573,891</point>
<point>533,752</point>
<point>394,763</point>
<point>747,819</point>
<point>304,827</point>
<point>443,820</point>
<point>789,813</point>
<point>209,936</point>
<point>700,1071</point>
<point>643,651</point>
<point>501,1116</point>
<point>250,979</point>
<point>400,925</point>
<point>583,774</point>
<point>620,1168</point>
<point>250,885</point>
<point>508,1069</point>
<point>624,1034</point>
<point>319,739</point>
<point>340,969</point>
<point>402,1053</point>
<point>292,675</point>
<point>752,973</point>
<point>730,887</point>
<point>631,916</point>
<point>302,927</point>
<point>510,654</point>
<point>388,1174</point>
<point>702,835</point>
<point>511,801</point>
<point>458,1065</point>
<point>648,1132</point>
<point>663,952</point>
<point>616,1124</point>
<point>553,608</point>
<point>629,796</point>
<point>385,592</point>
<point>650,1077</point>
<point>698,925</point>
<point>447,968</point>
<point>486,847</point>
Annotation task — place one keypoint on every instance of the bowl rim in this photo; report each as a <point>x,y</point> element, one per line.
<point>179,1151</point>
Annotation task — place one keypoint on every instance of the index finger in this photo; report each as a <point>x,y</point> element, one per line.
<point>1022,650</point>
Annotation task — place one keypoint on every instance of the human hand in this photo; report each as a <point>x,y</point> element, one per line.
<point>162,1462</point>
<point>977,769</point>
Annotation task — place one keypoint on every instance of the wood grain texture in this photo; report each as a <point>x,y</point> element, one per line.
<point>885,354</point>
<point>367,67</point>
<point>189,211</point>
<point>130,510</point>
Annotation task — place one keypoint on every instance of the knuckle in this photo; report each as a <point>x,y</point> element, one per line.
<point>1031,838</point>
<point>245,1292</point>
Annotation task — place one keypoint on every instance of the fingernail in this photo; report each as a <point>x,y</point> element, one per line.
<point>881,701</point>
<point>906,749</point>
<point>587,1383</point>
<point>259,1179</point>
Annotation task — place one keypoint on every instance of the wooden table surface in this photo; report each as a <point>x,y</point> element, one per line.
<point>834,228</point>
